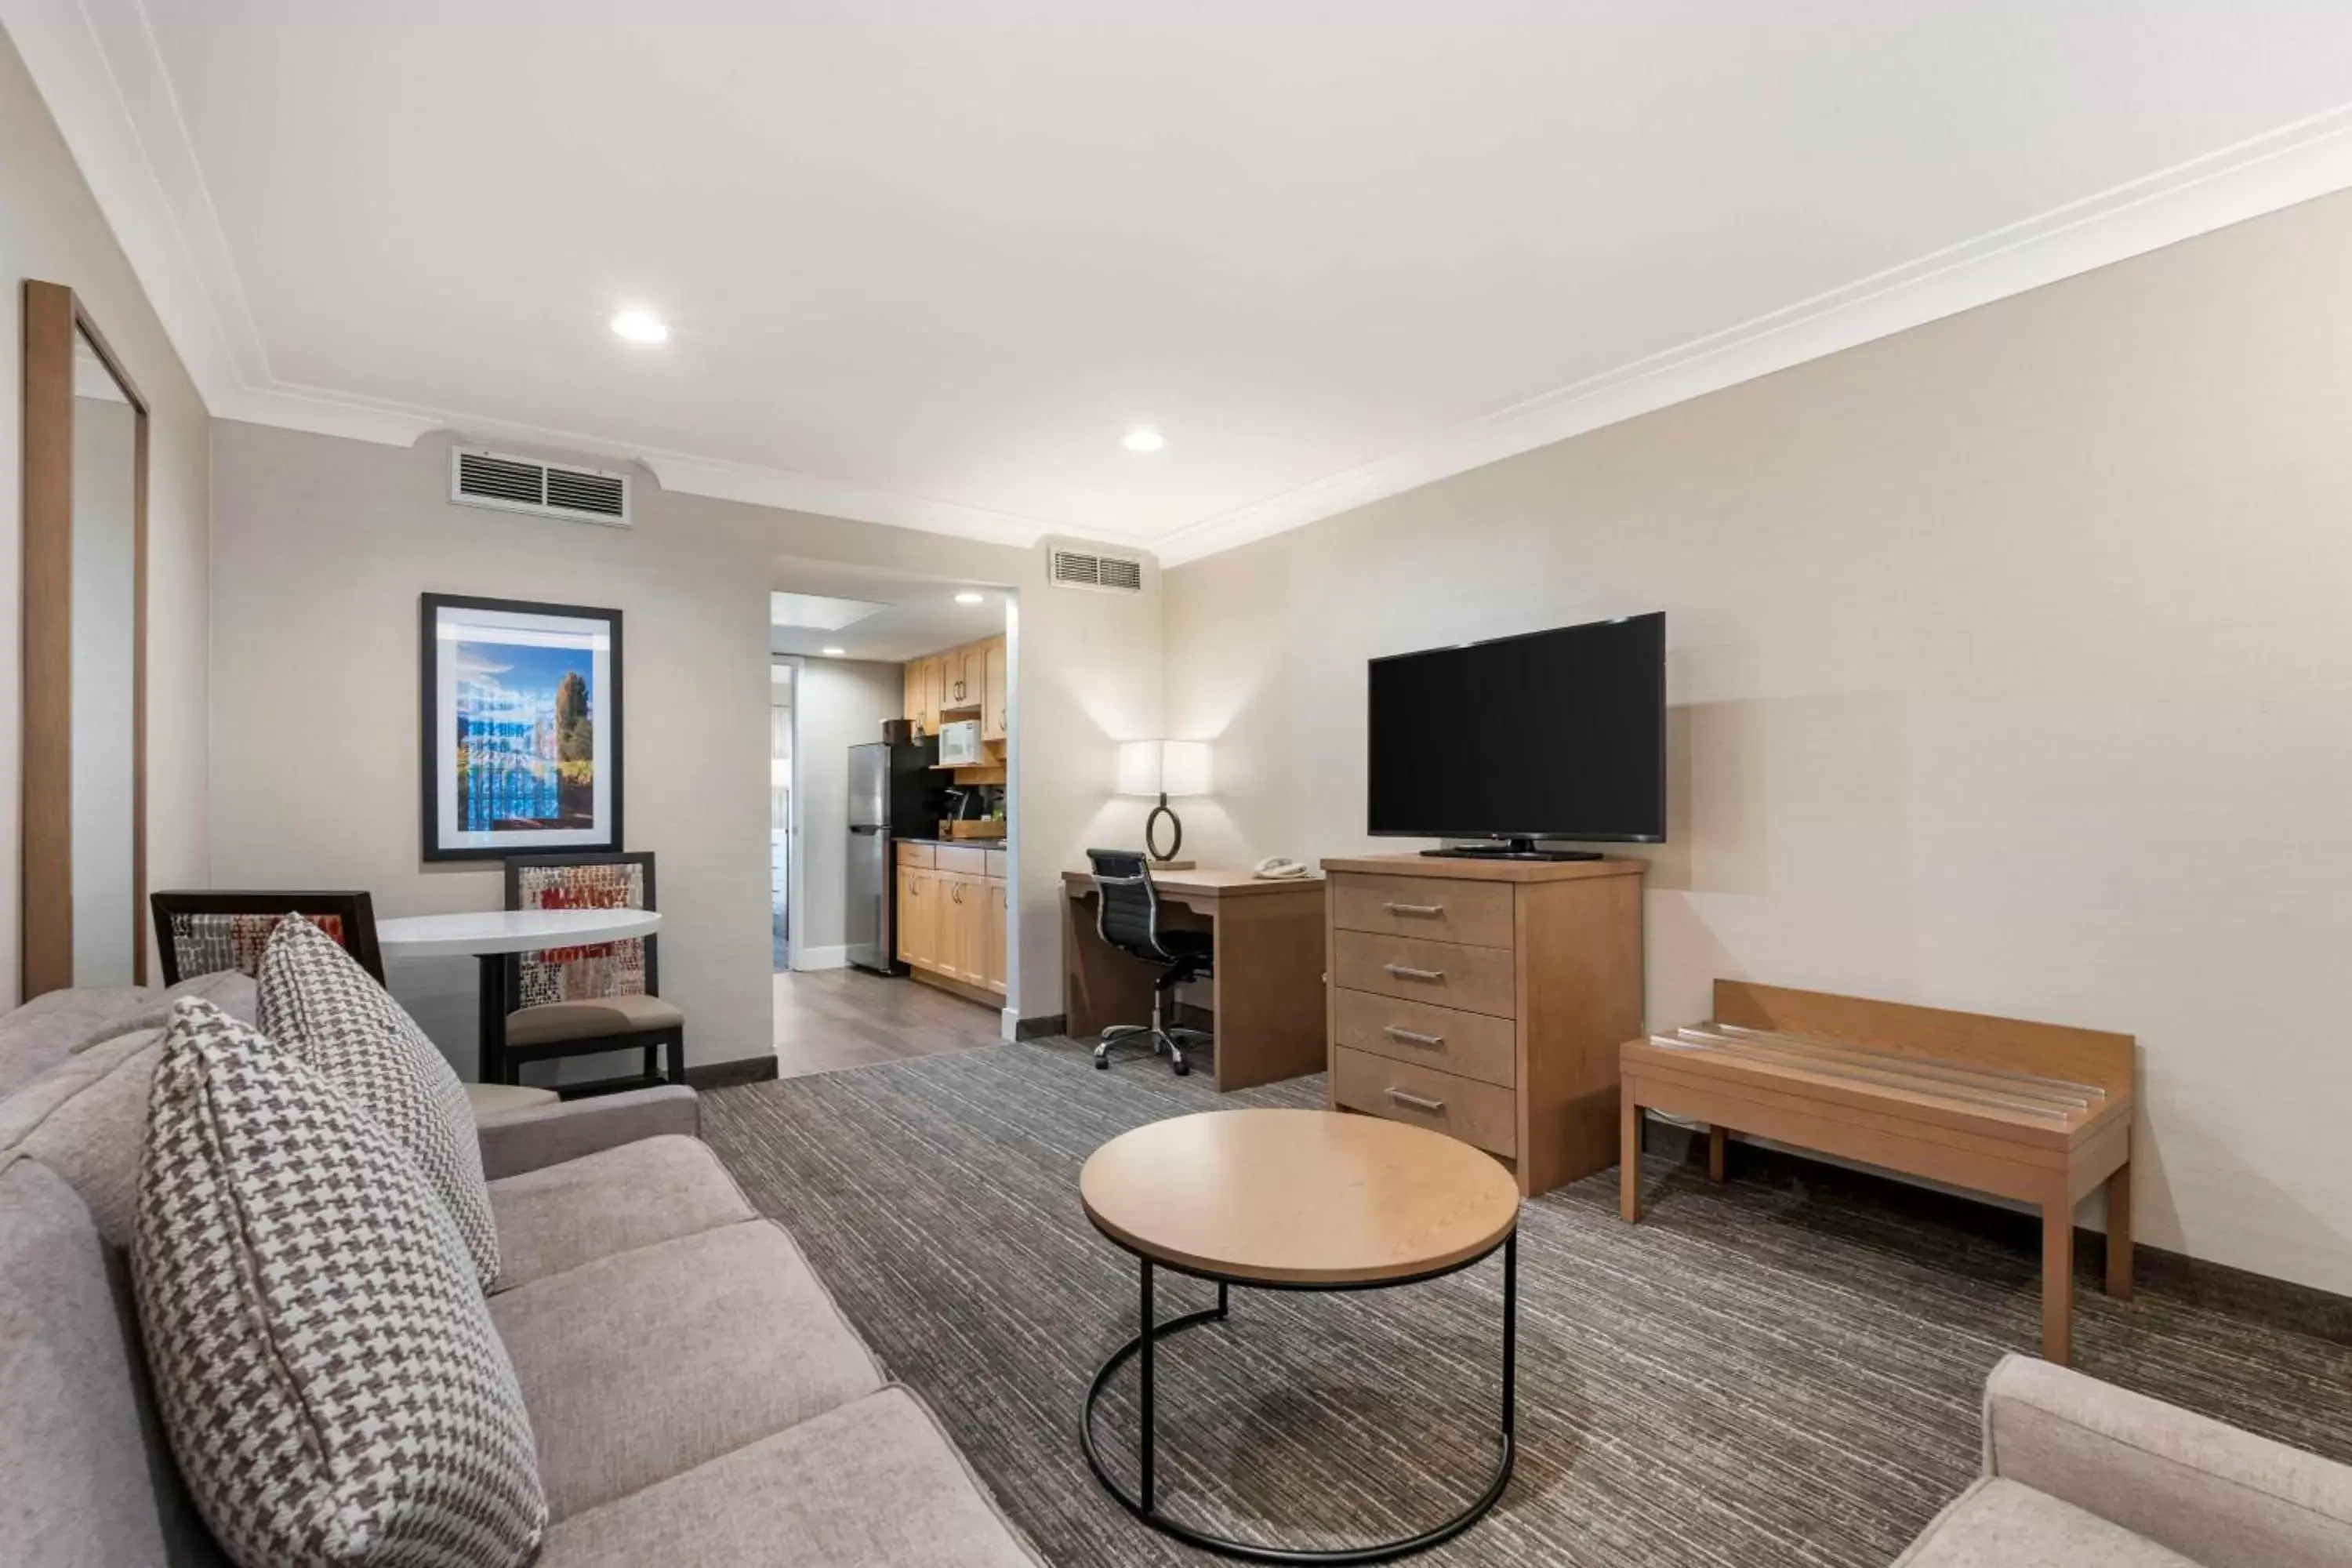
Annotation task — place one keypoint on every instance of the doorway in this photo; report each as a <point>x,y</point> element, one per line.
<point>875,786</point>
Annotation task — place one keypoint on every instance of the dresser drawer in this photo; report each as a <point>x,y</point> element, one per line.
<point>1474,1112</point>
<point>1448,973</point>
<point>914,854</point>
<point>1431,907</point>
<point>1471,1044</point>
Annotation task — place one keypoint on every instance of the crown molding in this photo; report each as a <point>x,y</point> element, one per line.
<point>98,70</point>
<point>2296,163</point>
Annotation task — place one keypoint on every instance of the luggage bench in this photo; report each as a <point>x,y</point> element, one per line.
<point>2031,1112</point>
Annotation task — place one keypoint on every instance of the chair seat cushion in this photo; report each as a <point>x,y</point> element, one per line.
<point>617,1200</point>
<point>490,1099</point>
<point>640,1366</point>
<point>591,1019</point>
<point>873,1484</point>
<point>1999,1523</point>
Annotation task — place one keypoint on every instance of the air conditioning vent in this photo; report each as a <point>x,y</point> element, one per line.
<point>506,483</point>
<point>1085,569</point>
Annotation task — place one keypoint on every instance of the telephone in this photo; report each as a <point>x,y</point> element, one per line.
<point>1277,870</point>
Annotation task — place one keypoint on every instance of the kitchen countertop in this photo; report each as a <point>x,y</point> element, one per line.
<point>961,843</point>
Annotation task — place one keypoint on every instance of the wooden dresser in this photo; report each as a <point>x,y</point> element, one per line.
<point>1488,999</point>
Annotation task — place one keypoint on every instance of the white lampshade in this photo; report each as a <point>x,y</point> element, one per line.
<point>1153,768</point>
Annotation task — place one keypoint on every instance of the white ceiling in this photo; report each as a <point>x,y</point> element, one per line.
<point>916,615</point>
<point>926,263</point>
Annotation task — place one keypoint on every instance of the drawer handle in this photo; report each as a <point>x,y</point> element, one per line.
<point>1396,909</point>
<point>1407,972</point>
<point>1418,1102</point>
<point>1415,1038</point>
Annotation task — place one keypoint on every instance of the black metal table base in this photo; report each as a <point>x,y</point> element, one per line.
<point>1142,1501</point>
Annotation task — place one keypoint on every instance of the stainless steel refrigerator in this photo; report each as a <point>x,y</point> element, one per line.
<point>893,794</point>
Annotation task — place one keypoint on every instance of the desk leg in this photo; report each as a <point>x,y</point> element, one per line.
<point>2058,1278</point>
<point>1629,1156</point>
<point>489,1044</point>
<point>1716,1139</point>
<point>1268,988</point>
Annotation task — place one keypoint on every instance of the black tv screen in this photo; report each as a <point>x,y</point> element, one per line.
<point>1558,734</point>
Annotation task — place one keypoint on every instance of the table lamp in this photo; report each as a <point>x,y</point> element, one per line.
<point>1162,768</point>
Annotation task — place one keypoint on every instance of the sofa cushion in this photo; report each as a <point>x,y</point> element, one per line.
<point>85,1478</point>
<point>319,1003</point>
<point>640,1366</point>
<point>2001,1524</point>
<point>233,993</point>
<point>86,1119</point>
<point>656,1189</point>
<point>36,1036</point>
<point>873,1484</point>
<point>322,1357</point>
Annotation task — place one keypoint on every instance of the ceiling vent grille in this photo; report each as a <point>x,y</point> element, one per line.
<point>1109,573</point>
<point>505,483</point>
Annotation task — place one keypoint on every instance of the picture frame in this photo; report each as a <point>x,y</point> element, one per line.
<point>520,727</point>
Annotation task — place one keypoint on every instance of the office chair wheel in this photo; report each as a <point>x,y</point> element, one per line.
<point>1102,1063</point>
<point>1182,1067</point>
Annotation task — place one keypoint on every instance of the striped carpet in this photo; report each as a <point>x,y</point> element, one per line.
<point>1781,1370</point>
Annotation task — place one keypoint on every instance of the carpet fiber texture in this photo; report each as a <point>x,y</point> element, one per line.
<point>1784,1369</point>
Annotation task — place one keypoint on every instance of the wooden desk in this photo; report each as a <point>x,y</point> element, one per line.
<point>1267,985</point>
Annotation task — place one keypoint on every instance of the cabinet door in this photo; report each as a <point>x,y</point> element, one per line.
<point>906,914</point>
<point>935,686</point>
<point>991,935</point>
<point>913,705</point>
<point>996,701</point>
<point>918,918</point>
<point>952,681</point>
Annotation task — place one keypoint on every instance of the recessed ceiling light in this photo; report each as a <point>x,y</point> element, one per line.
<point>832,652</point>
<point>1143,440</point>
<point>968,597</point>
<point>641,327</point>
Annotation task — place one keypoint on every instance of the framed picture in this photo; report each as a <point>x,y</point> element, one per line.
<point>522,728</point>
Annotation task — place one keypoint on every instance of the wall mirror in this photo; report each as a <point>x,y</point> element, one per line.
<point>85,654</point>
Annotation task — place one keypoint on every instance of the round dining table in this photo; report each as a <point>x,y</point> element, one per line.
<point>489,935</point>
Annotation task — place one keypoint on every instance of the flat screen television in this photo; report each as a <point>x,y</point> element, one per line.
<point>1557,734</point>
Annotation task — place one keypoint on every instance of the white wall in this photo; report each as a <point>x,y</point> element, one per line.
<point>2011,670</point>
<point>322,548</point>
<point>838,703</point>
<point>51,230</point>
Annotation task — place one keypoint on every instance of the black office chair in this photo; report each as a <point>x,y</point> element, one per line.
<point>1128,916</point>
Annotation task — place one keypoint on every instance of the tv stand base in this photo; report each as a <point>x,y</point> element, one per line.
<point>1509,849</point>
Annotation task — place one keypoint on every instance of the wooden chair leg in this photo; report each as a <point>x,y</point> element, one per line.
<point>1716,1139</point>
<point>2058,1281</point>
<point>1628,1159</point>
<point>2119,1233</point>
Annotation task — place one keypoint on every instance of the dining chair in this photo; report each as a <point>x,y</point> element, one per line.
<point>586,1001</point>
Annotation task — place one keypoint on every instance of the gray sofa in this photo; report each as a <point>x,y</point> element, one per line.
<point>696,1398</point>
<point>2082,1474</point>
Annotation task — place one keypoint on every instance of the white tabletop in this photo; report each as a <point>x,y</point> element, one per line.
<point>509,930</point>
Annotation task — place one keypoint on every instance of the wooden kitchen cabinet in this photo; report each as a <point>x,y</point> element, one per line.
<point>996,691</point>
<point>992,935</point>
<point>961,675</point>
<point>913,712</point>
<point>918,917</point>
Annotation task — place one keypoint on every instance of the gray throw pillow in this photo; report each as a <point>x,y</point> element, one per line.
<point>318,1003</point>
<point>323,1358</point>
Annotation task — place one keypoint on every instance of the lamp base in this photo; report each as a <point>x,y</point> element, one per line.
<point>1186,865</point>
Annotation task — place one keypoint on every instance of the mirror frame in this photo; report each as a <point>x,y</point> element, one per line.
<point>52,317</point>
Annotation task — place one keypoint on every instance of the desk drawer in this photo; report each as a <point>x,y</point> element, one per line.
<point>1446,1038</point>
<point>1478,979</point>
<point>971,862</point>
<point>1432,909</point>
<point>1476,1113</point>
<point>914,855</point>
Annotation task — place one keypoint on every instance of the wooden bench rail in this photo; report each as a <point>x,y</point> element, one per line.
<point>2038,1112</point>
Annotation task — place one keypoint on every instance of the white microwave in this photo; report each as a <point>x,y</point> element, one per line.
<point>960,744</point>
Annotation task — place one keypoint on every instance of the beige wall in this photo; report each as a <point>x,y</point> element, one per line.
<point>51,230</point>
<point>2011,669</point>
<point>323,546</point>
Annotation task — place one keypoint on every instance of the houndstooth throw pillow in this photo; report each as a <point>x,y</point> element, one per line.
<point>323,1360</point>
<point>318,1002</point>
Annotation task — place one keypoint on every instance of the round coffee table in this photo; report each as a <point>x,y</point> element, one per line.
<point>1296,1200</point>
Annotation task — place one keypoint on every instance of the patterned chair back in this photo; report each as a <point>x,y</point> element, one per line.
<point>624,968</point>
<point>208,933</point>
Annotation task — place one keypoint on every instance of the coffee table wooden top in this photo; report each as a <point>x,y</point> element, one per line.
<point>1299,1197</point>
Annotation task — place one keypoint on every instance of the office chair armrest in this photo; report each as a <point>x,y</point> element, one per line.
<point>514,1142</point>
